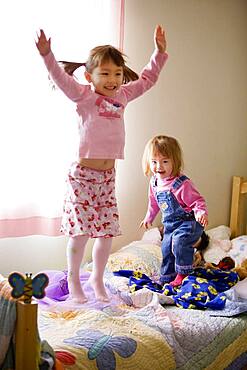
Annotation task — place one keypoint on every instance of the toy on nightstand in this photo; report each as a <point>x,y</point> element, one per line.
<point>27,286</point>
<point>27,314</point>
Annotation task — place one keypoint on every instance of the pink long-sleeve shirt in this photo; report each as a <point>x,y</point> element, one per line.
<point>101,122</point>
<point>187,196</point>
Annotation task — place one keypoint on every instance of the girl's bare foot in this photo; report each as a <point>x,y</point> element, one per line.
<point>99,290</point>
<point>75,290</point>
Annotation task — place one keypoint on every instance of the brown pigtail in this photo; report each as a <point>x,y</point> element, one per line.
<point>70,67</point>
<point>129,75</point>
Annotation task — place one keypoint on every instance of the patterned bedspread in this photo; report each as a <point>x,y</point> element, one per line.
<point>152,337</point>
<point>106,340</point>
<point>134,331</point>
<point>123,337</point>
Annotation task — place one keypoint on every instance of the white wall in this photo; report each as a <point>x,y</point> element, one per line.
<point>32,254</point>
<point>35,253</point>
<point>200,99</point>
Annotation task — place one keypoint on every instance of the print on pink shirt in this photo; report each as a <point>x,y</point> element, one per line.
<point>109,108</point>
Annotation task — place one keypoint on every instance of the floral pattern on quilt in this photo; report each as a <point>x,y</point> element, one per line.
<point>65,357</point>
<point>100,340</point>
<point>101,347</point>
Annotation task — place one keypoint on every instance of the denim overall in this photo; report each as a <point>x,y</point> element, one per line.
<point>181,231</point>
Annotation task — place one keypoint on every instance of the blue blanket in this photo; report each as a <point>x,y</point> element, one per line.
<point>203,288</point>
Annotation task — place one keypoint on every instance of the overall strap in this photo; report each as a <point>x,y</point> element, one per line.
<point>154,182</point>
<point>178,182</point>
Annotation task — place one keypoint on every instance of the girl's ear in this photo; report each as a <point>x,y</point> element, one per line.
<point>87,76</point>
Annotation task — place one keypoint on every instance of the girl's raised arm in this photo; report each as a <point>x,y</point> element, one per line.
<point>43,44</point>
<point>160,39</point>
<point>71,88</point>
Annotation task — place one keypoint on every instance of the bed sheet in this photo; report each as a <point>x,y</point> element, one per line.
<point>151,337</point>
<point>121,336</point>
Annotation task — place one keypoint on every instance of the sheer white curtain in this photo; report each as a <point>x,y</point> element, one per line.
<point>38,128</point>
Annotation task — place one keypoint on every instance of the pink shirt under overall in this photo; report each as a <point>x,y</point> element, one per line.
<point>187,196</point>
<point>101,123</point>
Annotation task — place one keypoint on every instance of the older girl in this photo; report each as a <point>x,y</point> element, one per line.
<point>90,208</point>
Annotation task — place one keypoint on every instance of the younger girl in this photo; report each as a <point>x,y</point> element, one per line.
<point>90,208</point>
<point>184,212</point>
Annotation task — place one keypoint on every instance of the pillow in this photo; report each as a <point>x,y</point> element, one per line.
<point>216,250</point>
<point>153,236</point>
<point>139,255</point>
<point>219,244</point>
<point>239,249</point>
<point>220,232</point>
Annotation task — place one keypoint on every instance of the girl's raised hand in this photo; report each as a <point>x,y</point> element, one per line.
<point>203,220</point>
<point>145,224</point>
<point>43,44</point>
<point>160,39</point>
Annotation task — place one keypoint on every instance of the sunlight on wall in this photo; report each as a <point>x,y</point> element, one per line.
<point>38,131</point>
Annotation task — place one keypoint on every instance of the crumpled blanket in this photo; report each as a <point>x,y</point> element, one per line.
<point>203,288</point>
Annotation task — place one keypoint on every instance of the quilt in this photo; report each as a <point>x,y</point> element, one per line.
<point>119,335</point>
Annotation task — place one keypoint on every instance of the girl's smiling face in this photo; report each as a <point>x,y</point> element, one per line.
<point>161,166</point>
<point>106,78</point>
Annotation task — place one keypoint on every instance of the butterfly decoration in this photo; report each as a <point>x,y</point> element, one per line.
<point>101,347</point>
<point>27,286</point>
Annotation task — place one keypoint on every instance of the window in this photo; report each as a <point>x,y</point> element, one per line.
<point>38,130</point>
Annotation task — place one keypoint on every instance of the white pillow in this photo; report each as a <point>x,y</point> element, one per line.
<point>152,236</point>
<point>216,250</point>
<point>221,232</point>
<point>239,249</point>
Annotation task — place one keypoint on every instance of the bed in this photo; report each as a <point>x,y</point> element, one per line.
<point>138,329</point>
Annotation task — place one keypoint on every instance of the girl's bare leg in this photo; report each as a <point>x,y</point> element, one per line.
<point>75,251</point>
<point>100,254</point>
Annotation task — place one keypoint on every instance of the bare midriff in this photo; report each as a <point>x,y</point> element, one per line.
<point>97,164</point>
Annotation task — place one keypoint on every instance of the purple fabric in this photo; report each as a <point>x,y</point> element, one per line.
<point>57,293</point>
<point>58,285</point>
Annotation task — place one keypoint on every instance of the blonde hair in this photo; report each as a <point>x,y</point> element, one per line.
<point>100,55</point>
<point>166,146</point>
